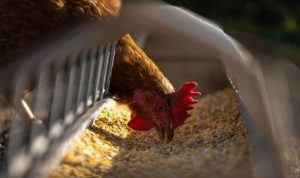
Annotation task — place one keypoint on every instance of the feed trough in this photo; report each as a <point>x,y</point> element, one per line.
<point>71,82</point>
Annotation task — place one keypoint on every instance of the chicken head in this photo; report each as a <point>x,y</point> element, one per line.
<point>164,113</point>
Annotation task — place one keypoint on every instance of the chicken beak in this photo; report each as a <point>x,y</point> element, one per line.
<point>160,131</point>
<point>169,130</point>
<point>165,132</point>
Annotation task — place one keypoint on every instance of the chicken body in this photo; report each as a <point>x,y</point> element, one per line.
<point>136,80</point>
<point>24,23</point>
<point>134,70</point>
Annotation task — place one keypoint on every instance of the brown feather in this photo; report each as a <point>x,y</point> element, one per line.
<point>133,70</point>
<point>25,22</point>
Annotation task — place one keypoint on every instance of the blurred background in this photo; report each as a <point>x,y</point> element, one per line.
<point>269,29</point>
<point>274,20</point>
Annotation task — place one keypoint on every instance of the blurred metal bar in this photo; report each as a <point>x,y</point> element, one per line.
<point>103,71</point>
<point>70,112</point>
<point>92,70</point>
<point>43,95</point>
<point>110,66</point>
<point>100,58</point>
<point>56,149</point>
<point>80,104</point>
<point>20,131</point>
<point>58,99</point>
<point>282,82</point>
<point>265,158</point>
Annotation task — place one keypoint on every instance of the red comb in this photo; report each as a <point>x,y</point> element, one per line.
<point>183,98</point>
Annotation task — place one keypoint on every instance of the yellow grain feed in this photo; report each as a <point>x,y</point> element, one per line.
<point>211,143</point>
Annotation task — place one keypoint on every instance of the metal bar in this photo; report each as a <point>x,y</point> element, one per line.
<point>58,101</point>
<point>43,96</point>
<point>20,131</point>
<point>104,70</point>
<point>100,57</point>
<point>80,103</point>
<point>69,112</point>
<point>92,66</point>
<point>41,106</point>
<point>110,66</point>
<point>56,150</point>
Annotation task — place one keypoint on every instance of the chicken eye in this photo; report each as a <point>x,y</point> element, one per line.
<point>161,108</point>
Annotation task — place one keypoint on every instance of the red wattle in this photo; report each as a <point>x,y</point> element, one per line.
<point>139,123</point>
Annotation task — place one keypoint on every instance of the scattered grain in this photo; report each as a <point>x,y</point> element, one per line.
<point>212,143</point>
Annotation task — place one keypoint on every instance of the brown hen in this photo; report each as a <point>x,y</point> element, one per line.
<point>136,80</point>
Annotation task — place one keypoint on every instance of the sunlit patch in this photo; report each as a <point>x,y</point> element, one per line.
<point>92,153</point>
<point>114,123</point>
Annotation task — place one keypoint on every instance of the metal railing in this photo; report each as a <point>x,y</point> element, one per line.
<point>55,96</point>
